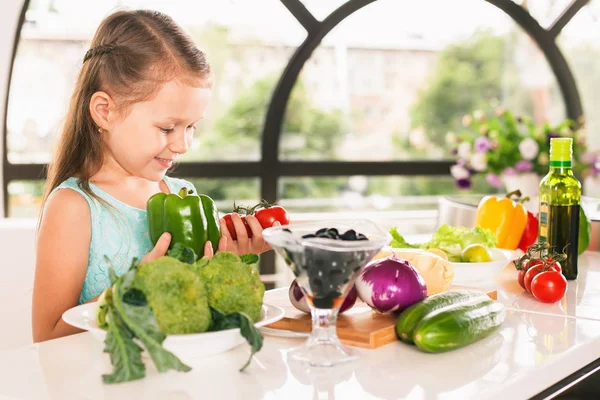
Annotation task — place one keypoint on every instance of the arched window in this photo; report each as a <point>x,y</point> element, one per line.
<point>327,106</point>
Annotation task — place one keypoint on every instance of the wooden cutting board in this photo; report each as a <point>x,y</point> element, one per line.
<point>360,326</point>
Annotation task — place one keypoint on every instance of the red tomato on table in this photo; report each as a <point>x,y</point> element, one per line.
<point>535,267</point>
<point>549,286</point>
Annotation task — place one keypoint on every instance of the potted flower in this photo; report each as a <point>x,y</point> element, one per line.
<point>512,151</point>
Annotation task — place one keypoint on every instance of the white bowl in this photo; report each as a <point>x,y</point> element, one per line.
<point>185,347</point>
<point>466,273</point>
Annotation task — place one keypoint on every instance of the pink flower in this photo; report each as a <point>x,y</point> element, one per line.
<point>494,180</point>
<point>482,144</point>
<point>524,166</point>
<point>509,171</point>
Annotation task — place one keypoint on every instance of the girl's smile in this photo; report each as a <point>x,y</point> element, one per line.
<point>165,162</point>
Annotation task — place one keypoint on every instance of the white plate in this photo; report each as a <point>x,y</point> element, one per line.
<point>485,271</point>
<point>186,347</point>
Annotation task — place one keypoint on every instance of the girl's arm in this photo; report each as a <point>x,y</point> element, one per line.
<point>61,263</point>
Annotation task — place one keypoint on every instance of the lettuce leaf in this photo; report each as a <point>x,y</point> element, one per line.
<point>450,239</point>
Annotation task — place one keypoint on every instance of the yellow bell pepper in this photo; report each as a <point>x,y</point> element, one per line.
<point>505,217</point>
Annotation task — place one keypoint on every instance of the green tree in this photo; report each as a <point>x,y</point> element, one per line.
<point>245,119</point>
<point>468,75</point>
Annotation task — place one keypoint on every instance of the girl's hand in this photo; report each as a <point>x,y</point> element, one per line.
<point>243,244</point>
<point>162,246</point>
<point>208,249</point>
<point>160,249</point>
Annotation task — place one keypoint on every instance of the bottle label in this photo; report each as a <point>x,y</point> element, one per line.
<point>560,164</point>
<point>543,234</point>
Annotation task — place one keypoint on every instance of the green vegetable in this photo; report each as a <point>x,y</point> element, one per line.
<point>249,258</point>
<point>410,318</point>
<point>213,225</point>
<point>458,325</point>
<point>125,354</point>
<point>167,296</point>
<point>102,308</point>
<point>585,232</point>
<point>176,294</point>
<point>141,321</point>
<point>247,329</point>
<point>450,239</point>
<point>191,220</point>
<point>131,319</point>
<point>183,254</point>
<point>233,286</point>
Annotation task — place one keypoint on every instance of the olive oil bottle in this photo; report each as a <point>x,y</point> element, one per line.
<point>560,197</point>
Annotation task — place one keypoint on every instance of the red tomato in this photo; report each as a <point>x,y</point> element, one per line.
<point>535,267</point>
<point>521,278</point>
<point>268,215</point>
<point>231,228</point>
<point>549,286</point>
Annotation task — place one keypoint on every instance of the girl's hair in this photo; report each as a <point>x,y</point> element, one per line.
<point>132,55</point>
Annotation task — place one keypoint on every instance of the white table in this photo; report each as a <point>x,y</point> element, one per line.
<point>537,346</point>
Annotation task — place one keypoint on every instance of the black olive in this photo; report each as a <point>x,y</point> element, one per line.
<point>350,234</point>
<point>320,231</point>
<point>360,236</point>
<point>286,230</point>
<point>334,232</point>
<point>310,235</point>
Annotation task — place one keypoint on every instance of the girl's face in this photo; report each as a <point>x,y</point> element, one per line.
<point>147,140</point>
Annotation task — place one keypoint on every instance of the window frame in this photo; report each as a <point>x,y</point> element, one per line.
<point>269,169</point>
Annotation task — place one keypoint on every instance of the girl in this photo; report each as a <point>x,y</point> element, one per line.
<point>142,89</point>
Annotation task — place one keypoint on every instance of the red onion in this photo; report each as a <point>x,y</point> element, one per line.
<point>390,285</point>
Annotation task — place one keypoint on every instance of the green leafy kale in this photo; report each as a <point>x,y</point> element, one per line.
<point>249,258</point>
<point>240,320</point>
<point>142,323</point>
<point>125,354</point>
<point>183,253</point>
<point>129,317</point>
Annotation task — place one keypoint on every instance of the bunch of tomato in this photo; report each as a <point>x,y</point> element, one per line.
<point>541,274</point>
<point>265,212</point>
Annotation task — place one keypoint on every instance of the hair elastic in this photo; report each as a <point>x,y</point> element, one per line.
<point>98,51</point>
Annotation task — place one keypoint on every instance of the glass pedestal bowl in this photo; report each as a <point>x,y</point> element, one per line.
<point>325,270</point>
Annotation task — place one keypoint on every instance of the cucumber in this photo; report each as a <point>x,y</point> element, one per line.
<point>410,317</point>
<point>457,326</point>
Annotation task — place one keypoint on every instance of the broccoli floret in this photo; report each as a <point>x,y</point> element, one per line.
<point>176,295</point>
<point>233,286</point>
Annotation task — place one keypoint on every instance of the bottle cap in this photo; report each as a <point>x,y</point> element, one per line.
<point>561,152</point>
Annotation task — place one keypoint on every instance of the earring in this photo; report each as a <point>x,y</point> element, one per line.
<point>99,129</point>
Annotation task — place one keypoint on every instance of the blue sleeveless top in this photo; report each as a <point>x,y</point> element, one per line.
<point>119,232</point>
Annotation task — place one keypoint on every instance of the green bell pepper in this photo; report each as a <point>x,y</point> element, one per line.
<point>191,219</point>
<point>585,232</point>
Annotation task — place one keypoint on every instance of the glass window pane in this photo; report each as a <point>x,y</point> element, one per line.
<point>25,198</point>
<point>544,11</point>
<point>394,78</point>
<point>320,9</point>
<point>226,191</point>
<point>390,200</point>
<point>580,43</point>
<point>248,45</point>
